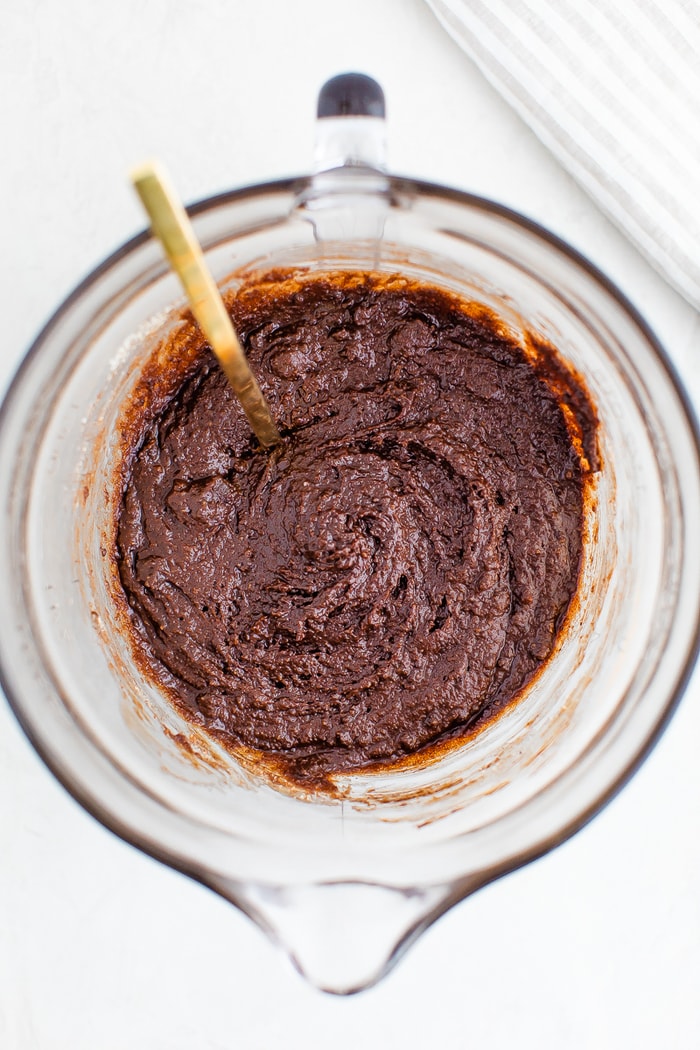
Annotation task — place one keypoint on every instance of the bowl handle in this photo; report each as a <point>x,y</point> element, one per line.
<point>350,126</point>
<point>347,197</point>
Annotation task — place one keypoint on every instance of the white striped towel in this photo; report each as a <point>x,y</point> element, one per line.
<point>612,88</point>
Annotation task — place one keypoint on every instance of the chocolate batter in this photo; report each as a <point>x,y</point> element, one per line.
<point>399,567</point>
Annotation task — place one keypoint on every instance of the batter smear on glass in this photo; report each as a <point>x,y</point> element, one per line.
<point>398,569</point>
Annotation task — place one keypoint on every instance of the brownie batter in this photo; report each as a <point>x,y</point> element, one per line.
<point>399,567</point>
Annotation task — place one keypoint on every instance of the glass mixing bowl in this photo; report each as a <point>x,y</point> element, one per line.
<point>345,883</point>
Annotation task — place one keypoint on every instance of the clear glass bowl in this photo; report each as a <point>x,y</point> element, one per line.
<point>345,883</point>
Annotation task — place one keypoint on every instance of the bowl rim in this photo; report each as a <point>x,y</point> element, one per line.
<point>408,186</point>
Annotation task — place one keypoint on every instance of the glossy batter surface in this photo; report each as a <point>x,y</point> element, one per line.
<point>398,568</point>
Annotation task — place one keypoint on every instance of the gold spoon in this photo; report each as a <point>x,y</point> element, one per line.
<point>173,229</point>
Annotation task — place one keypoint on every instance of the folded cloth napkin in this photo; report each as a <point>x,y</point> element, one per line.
<point>612,88</point>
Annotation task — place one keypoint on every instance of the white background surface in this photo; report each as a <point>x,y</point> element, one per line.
<point>596,945</point>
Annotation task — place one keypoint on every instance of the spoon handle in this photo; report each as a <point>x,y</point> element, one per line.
<point>173,229</point>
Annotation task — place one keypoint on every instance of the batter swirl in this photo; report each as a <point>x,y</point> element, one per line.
<point>399,567</point>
